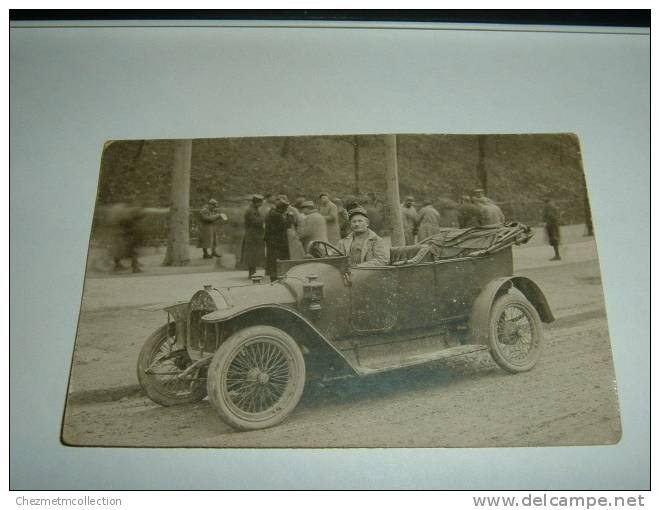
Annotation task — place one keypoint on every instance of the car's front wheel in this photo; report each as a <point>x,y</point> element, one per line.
<point>516,334</point>
<point>256,378</point>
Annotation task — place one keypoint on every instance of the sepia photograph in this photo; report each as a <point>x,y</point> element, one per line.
<point>348,291</point>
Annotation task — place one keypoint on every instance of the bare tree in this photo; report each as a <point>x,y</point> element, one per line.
<point>178,239</point>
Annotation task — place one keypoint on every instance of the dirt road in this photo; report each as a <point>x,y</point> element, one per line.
<point>569,398</point>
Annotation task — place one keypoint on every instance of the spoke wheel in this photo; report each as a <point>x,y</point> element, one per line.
<point>256,378</point>
<point>159,364</point>
<point>516,334</point>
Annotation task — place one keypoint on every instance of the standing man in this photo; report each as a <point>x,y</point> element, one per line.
<point>409,219</point>
<point>211,220</point>
<point>277,244</point>
<point>342,216</point>
<point>429,220</point>
<point>252,252</point>
<point>363,246</point>
<point>469,213</point>
<point>313,227</point>
<point>267,204</point>
<point>551,219</point>
<point>490,213</point>
<point>329,211</point>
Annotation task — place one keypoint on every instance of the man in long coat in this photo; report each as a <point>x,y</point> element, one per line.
<point>313,228</point>
<point>329,211</point>
<point>410,219</point>
<point>551,218</point>
<point>277,244</point>
<point>252,252</point>
<point>211,220</point>
<point>429,221</point>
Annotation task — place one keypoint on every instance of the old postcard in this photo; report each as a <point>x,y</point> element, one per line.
<point>341,291</point>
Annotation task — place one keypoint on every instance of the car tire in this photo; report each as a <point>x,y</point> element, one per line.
<point>515,333</point>
<point>160,354</point>
<point>256,378</point>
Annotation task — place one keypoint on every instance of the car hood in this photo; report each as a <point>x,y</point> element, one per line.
<point>241,298</point>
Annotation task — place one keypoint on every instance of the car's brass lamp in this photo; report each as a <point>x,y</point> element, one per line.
<point>312,294</point>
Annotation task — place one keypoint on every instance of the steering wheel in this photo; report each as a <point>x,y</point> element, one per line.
<point>321,249</point>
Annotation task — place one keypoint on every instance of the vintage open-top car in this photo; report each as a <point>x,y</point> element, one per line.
<point>252,347</point>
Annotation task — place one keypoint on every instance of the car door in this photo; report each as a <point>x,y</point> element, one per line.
<point>374,299</point>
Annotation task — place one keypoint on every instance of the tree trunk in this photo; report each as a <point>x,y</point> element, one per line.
<point>392,179</point>
<point>482,173</point>
<point>178,240</point>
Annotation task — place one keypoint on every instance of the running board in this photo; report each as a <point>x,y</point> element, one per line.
<point>381,358</point>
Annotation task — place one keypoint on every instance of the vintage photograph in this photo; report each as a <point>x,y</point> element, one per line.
<point>392,290</point>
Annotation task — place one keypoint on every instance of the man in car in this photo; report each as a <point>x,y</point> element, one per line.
<point>363,246</point>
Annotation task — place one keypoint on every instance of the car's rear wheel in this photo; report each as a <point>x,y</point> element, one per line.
<point>256,378</point>
<point>516,333</point>
<point>160,363</point>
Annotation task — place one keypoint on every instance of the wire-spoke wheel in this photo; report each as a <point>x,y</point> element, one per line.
<point>516,335</point>
<point>256,378</point>
<point>160,363</point>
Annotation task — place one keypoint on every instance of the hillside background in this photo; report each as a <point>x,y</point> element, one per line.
<point>516,171</point>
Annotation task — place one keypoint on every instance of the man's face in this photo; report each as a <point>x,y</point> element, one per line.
<point>359,224</point>
<point>325,199</point>
<point>478,194</point>
<point>408,203</point>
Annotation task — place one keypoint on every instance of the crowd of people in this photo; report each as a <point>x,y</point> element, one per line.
<point>276,229</point>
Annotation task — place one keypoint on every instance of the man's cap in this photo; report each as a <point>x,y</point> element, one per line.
<point>478,190</point>
<point>358,210</point>
<point>307,203</point>
<point>213,201</point>
<point>283,198</point>
<point>324,194</point>
<point>299,202</point>
<point>410,198</point>
<point>257,197</point>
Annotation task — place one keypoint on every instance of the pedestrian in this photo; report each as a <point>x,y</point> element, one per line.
<point>489,213</point>
<point>313,227</point>
<point>551,219</point>
<point>449,213</point>
<point>125,225</point>
<point>293,218</point>
<point>329,211</point>
<point>429,220</point>
<point>363,246</point>
<point>277,244</point>
<point>469,214</point>
<point>252,249</point>
<point>409,219</point>
<point>267,205</point>
<point>211,220</point>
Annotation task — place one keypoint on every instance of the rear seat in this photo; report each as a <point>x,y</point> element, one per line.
<point>401,254</point>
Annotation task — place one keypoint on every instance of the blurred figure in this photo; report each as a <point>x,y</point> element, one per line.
<point>449,213</point>
<point>551,219</point>
<point>409,219</point>
<point>211,220</point>
<point>429,220</point>
<point>252,251</point>
<point>124,223</point>
<point>277,244</point>
<point>469,214</point>
<point>313,227</point>
<point>329,211</point>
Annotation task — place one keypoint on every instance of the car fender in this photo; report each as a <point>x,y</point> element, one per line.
<point>284,317</point>
<point>478,322</point>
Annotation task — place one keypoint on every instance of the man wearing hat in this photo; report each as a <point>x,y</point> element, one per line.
<point>551,219</point>
<point>329,211</point>
<point>363,246</point>
<point>313,227</point>
<point>252,252</point>
<point>410,219</point>
<point>277,244</point>
<point>209,236</point>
